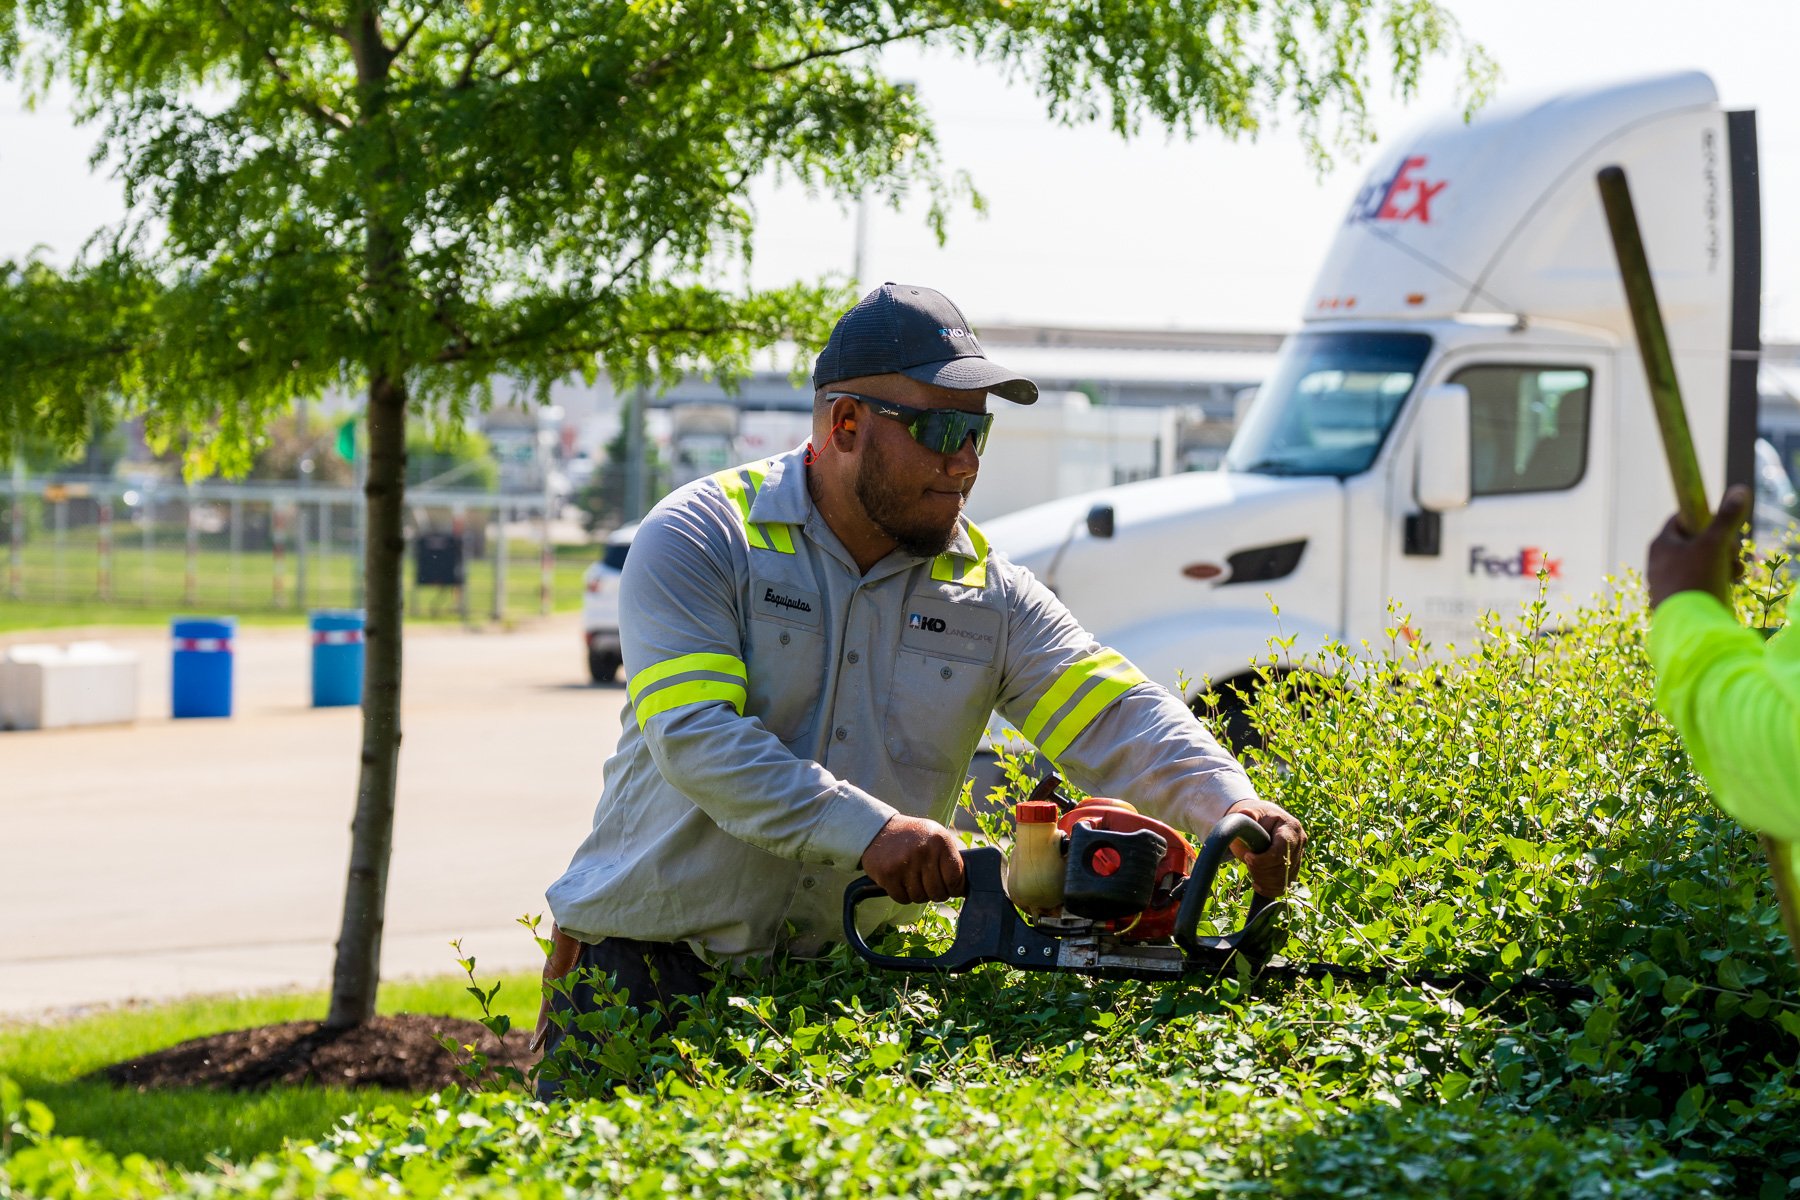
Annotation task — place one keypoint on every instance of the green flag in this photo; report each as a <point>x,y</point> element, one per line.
<point>346,440</point>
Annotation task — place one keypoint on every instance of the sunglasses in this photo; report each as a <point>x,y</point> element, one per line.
<point>941,429</point>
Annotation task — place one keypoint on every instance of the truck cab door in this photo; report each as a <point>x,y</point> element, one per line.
<point>1538,500</point>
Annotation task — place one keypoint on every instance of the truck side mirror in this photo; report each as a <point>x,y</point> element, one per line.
<point>1443,476</point>
<point>1100,521</point>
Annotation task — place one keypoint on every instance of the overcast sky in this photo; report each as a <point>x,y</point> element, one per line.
<point>1083,228</point>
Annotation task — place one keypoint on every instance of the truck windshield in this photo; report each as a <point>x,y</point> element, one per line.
<point>1328,405</point>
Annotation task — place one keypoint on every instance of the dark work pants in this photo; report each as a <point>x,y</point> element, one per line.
<point>648,973</point>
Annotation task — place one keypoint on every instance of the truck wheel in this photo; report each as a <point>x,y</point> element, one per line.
<point>1229,718</point>
<point>602,665</point>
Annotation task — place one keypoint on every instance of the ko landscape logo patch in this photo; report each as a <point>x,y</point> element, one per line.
<point>946,630</point>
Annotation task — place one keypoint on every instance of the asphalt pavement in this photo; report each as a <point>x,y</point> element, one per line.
<point>166,858</point>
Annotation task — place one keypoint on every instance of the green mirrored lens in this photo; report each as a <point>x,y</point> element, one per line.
<point>946,429</point>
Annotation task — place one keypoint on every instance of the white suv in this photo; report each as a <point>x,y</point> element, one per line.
<point>600,606</point>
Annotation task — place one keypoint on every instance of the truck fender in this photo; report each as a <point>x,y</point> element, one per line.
<point>1216,645</point>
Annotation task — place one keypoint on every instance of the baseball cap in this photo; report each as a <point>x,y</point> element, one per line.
<point>904,329</point>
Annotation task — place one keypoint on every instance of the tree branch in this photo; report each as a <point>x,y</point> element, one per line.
<point>512,65</point>
<point>455,355</point>
<point>323,113</point>
<point>406,38</point>
<point>839,51</point>
<point>657,67</point>
<point>341,32</point>
<point>466,76</point>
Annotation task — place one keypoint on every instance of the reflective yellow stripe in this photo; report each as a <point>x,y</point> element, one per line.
<point>682,664</point>
<point>781,537</point>
<point>733,483</point>
<point>1108,689</point>
<point>1113,676</point>
<point>761,537</point>
<point>698,691</point>
<point>949,568</point>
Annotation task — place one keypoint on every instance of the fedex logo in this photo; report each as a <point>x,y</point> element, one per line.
<point>1524,564</point>
<point>1406,195</point>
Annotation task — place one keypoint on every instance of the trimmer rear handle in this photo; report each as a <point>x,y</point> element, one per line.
<point>989,928</point>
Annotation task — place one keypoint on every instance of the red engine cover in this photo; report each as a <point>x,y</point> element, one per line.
<point>1157,921</point>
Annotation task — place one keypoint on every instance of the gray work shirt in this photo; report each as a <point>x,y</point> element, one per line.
<point>782,705</point>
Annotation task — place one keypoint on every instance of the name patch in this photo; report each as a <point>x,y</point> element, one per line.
<point>785,602</point>
<point>944,630</point>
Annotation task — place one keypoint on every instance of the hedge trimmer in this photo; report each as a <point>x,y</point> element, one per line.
<point>1099,889</point>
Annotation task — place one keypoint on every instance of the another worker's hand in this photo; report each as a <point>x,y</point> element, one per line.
<point>1275,868</point>
<point>915,860</point>
<point>1706,563</point>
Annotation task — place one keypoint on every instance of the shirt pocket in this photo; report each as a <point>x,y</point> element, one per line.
<point>945,672</point>
<point>784,661</point>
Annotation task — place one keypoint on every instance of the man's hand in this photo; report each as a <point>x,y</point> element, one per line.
<point>1279,865</point>
<point>1707,563</point>
<point>915,860</point>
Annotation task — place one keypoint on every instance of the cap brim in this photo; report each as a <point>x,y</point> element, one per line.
<point>971,373</point>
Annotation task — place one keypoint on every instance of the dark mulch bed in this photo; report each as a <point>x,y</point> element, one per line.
<point>400,1053</point>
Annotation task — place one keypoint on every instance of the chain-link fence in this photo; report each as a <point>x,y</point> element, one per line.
<point>270,548</point>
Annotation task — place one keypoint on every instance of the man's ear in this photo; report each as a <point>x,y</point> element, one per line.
<point>843,416</point>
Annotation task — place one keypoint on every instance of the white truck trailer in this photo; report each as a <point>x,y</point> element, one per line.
<point>1463,407</point>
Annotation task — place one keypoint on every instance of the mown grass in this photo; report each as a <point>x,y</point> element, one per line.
<point>186,1128</point>
<point>60,590</point>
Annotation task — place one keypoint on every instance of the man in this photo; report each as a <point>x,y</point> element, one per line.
<point>814,644</point>
<point>1734,698</point>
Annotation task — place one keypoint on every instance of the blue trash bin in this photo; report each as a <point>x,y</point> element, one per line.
<point>200,681</point>
<point>337,658</point>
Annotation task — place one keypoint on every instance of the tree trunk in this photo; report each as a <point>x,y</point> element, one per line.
<point>357,973</point>
<point>358,969</point>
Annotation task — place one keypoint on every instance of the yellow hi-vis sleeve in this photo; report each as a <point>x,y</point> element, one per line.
<point>1098,680</point>
<point>1735,700</point>
<point>687,679</point>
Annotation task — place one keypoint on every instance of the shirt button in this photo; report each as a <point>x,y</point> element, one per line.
<point>855,657</point>
<point>785,639</point>
<point>842,733</point>
<point>809,882</point>
<point>945,672</point>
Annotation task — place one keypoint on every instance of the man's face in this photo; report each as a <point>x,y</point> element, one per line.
<point>910,493</point>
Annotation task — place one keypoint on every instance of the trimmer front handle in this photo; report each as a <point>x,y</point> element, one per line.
<point>1260,922</point>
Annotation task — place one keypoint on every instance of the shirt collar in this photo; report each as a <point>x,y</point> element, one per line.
<point>784,500</point>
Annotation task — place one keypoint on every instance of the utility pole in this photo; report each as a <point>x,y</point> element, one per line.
<point>859,254</point>
<point>16,507</point>
<point>305,472</point>
<point>637,490</point>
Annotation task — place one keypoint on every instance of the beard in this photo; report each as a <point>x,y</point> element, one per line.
<point>891,512</point>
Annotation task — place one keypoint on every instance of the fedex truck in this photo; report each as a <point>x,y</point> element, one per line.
<point>1463,409</point>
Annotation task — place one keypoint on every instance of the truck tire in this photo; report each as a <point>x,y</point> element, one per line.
<point>1229,720</point>
<point>602,665</point>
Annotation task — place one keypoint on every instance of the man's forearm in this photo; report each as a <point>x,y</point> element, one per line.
<point>754,789</point>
